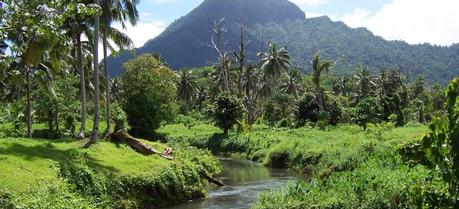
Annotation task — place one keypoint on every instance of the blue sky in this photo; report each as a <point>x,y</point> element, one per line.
<point>414,21</point>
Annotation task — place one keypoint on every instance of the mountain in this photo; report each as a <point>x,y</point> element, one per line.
<point>185,42</point>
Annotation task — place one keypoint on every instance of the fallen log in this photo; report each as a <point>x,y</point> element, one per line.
<point>137,145</point>
<point>145,149</point>
<point>213,180</point>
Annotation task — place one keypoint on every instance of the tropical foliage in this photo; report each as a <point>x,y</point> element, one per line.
<point>148,94</point>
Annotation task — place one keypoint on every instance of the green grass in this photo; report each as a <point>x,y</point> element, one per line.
<point>25,162</point>
<point>348,167</point>
<point>312,151</point>
<point>104,176</point>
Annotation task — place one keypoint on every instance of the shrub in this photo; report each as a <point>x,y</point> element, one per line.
<point>119,117</point>
<point>228,110</point>
<point>56,104</point>
<point>441,145</point>
<point>6,199</point>
<point>366,112</point>
<point>334,109</point>
<point>148,94</point>
<point>307,109</point>
<point>272,112</point>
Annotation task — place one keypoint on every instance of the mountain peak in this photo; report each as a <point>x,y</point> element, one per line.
<point>252,11</point>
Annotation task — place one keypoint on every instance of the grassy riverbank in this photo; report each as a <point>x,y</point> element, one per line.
<point>349,167</point>
<point>38,173</point>
<point>310,151</point>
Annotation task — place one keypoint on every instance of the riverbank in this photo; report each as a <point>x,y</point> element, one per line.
<point>39,173</point>
<point>350,168</point>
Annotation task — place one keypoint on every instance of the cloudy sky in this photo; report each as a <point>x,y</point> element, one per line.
<point>414,21</point>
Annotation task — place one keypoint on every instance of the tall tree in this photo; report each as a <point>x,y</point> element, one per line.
<point>119,11</point>
<point>34,29</point>
<point>95,129</point>
<point>275,61</point>
<point>77,25</point>
<point>241,59</point>
<point>222,78</point>
<point>320,66</point>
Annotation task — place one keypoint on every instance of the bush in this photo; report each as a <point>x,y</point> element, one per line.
<point>278,107</point>
<point>367,111</point>
<point>228,110</point>
<point>56,104</point>
<point>441,145</point>
<point>307,109</point>
<point>149,92</point>
<point>119,117</point>
<point>6,199</point>
<point>334,109</point>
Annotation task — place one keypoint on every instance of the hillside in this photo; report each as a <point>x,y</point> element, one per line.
<point>183,43</point>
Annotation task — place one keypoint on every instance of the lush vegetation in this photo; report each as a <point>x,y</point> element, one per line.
<point>282,22</point>
<point>148,94</point>
<point>361,137</point>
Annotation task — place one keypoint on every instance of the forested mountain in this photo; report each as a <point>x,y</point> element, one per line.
<point>184,42</point>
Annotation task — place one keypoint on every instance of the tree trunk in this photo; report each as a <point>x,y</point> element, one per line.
<point>145,149</point>
<point>81,135</point>
<point>95,129</point>
<point>319,97</point>
<point>137,145</point>
<point>107,78</point>
<point>29,102</point>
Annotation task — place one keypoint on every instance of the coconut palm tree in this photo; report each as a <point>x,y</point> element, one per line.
<point>319,66</point>
<point>95,128</point>
<point>76,26</point>
<point>187,87</point>
<point>115,11</point>
<point>275,61</point>
<point>116,88</point>
<point>292,83</point>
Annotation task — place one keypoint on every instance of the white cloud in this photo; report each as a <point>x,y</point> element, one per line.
<point>312,15</point>
<point>143,31</point>
<point>310,3</point>
<point>415,21</point>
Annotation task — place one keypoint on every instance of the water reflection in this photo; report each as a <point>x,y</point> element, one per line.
<point>244,181</point>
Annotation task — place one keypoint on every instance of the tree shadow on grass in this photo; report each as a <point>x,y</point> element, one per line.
<point>215,142</point>
<point>47,150</point>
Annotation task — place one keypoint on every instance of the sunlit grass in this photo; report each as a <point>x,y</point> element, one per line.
<point>24,162</point>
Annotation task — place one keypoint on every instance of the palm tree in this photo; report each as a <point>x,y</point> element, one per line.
<point>363,83</point>
<point>318,67</point>
<point>76,26</point>
<point>116,89</point>
<point>95,129</point>
<point>187,87</point>
<point>35,47</point>
<point>275,61</point>
<point>292,83</point>
<point>121,11</point>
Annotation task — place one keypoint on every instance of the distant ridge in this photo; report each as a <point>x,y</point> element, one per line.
<point>183,43</point>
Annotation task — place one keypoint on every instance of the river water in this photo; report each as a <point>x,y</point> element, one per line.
<point>244,182</point>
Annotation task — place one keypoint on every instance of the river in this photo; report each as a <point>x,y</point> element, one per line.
<point>244,181</point>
